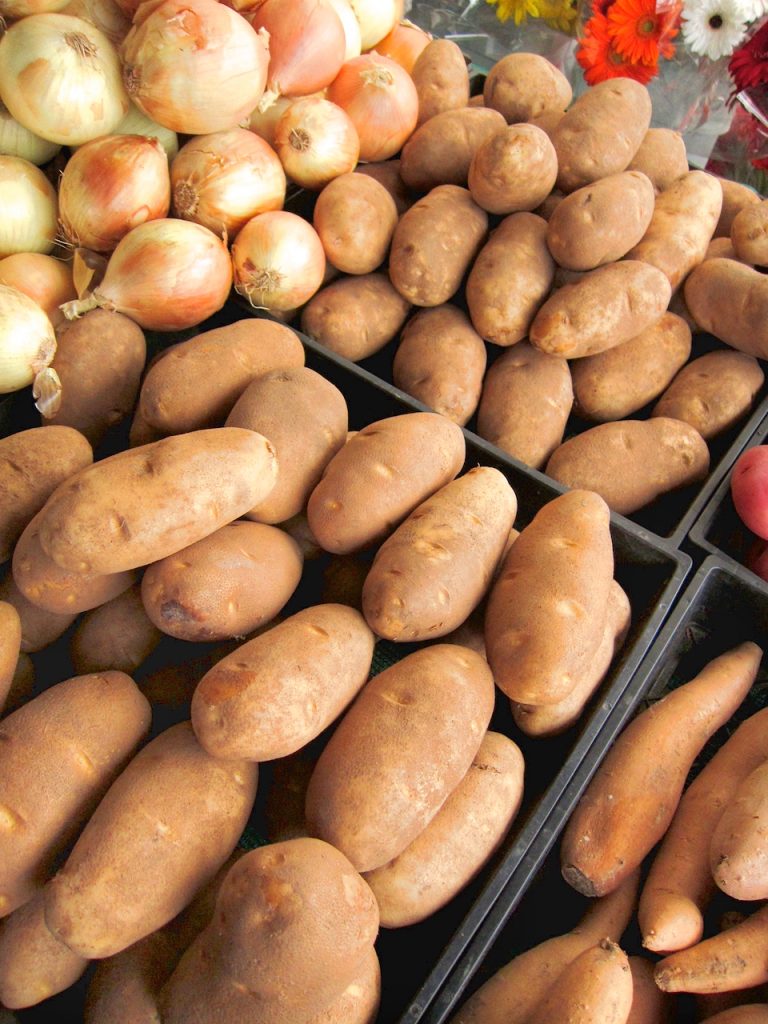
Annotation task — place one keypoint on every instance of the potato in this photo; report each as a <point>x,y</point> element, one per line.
<point>441,360</point>
<point>601,132</point>
<point>546,611</point>
<point>601,222</point>
<point>631,462</point>
<point>550,204</point>
<point>662,157</point>
<point>32,465</point>
<point>524,86</point>
<point>387,172</point>
<point>525,405</point>
<point>22,684</point>
<point>196,384</point>
<point>360,1000</point>
<point>355,316</point>
<point>547,121</point>
<point>713,392</point>
<point>749,489</point>
<point>380,475</point>
<point>440,151</point>
<point>441,77</point>
<point>434,569</point>
<point>730,300</point>
<point>59,754</point>
<point>613,384</point>
<point>39,628</point>
<point>682,226</point>
<point>99,359</point>
<point>294,925</point>
<point>144,852</point>
<point>142,504</point>
<point>457,842</point>
<point>399,751</point>
<point>607,307</point>
<point>721,248</point>
<point>510,279</point>
<point>736,196</point>
<point>355,217</point>
<point>434,245</point>
<point>117,635</point>
<point>10,648</point>
<point>515,169</point>
<point>749,234</point>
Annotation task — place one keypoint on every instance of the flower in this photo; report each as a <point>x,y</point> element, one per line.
<point>748,66</point>
<point>755,9</point>
<point>641,30</point>
<point>559,14</point>
<point>520,10</point>
<point>600,59</point>
<point>714,27</point>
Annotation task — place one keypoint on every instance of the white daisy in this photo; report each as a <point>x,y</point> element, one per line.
<point>755,9</point>
<point>713,28</point>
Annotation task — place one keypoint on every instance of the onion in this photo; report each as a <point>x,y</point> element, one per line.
<point>60,77</point>
<point>306,46</point>
<point>351,27</point>
<point>136,122</point>
<point>278,261</point>
<point>13,9</point>
<point>316,142</point>
<point>111,185</point>
<point>376,18</point>
<point>27,340</point>
<point>404,44</point>
<point>27,208</point>
<point>104,14</point>
<point>264,122</point>
<point>381,100</point>
<point>166,275</point>
<point>16,140</point>
<point>194,66</point>
<point>224,179</point>
<point>44,279</point>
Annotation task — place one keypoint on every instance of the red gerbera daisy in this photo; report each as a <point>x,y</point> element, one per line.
<point>600,60</point>
<point>642,30</point>
<point>749,63</point>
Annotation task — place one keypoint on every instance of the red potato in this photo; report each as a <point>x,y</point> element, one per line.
<point>749,489</point>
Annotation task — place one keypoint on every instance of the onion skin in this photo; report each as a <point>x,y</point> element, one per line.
<point>351,27</point>
<point>404,44</point>
<point>43,278</point>
<point>28,208</point>
<point>27,340</point>
<point>316,142</point>
<point>16,140</point>
<point>376,19</point>
<point>106,15</point>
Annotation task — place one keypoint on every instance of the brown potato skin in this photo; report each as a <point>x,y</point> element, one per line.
<point>434,245</point>
<point>730,300</point>
<point>117,635</point>
<point>52,778</point>
<point>515,169</point>
<point>526,400</point>
<point>597,985</point>
<point>10,648</point>
<point>440,151</point>
<point>355,217</point>
<point>355,316</point>
<point>400,750</point>
<point>99,359</point>
<point>601,222</point>
<point>713,392</point>
<point>144,853</point>
<point>601,132</point>
<point>737,851</point>
<point>39,627</point>
<point>631,462</point>
<point>524,86</point>
<point>441,77</point>
<point>749,234</point>
<point>441,360</point>
<point>387,172</point>
<point>277,692</point>
<point>198,381</point>
<point>735,197</point>
<point>32,465</point>
<point>510,279</point>
<point>613,384</point>
<point>435,568</point>
<point>662,157</point>
<point>380,475</point>
<point>606,307</point>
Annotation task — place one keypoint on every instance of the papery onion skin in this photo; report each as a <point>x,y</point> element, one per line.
<point>376,19</point>
<point>404,44</point>
<point>45,279</point>
<point>61,78</point>
<point>106,15</point>
<point>194,66</point>
<point>13,9</point>
<point>278,261</point>
<point>224,179</point>
<point>136,122</point>
<point>28,208</point>
<point>111,185</point>
<point>316,142</point>
<point>351,26</point>
<point>167,275</point>
<point>16,140</point>
<point>381,99</point>
<point>27,340</point>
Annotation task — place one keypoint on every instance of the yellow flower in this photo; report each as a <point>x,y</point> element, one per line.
<point>520,10</point>
<point>559,14</point>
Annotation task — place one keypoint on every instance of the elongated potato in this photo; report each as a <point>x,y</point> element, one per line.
<point>440,151</point>
<point>513,170</point>
<point>10,648</point>
<point>117,635</point>
<point>597,985</point>
<point>39,628</point>
<point>277,692</point>
<point>52,778</point>
<point>144,852</point>
<point>399,751</point>
<point>524,86</point>
<point>441,77</point>
<point>510,279</point>
<point>730,300</point>
<point>749,234</point>
<point>546,612</point>
<point>649,1004</point>
<point>145,503</point>
<point>380,475</point>
<point>355,217</point>
<point>735,197</point>
<point>662,157</point>
<point>629,804</point>
<point>456,843</point>
<point>746,1013</point>
<point>32,465</point>
<point>526,401</point>
<point>737,852</point>
<point>435,568</point>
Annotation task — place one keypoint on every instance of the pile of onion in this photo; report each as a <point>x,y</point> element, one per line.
<point>45,279</point>
<point>316,142</point>
<point>28,208</point>
<point>27,340</point>
<point>404,44</point>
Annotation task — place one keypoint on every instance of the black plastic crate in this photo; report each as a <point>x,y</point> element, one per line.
<point>718,610</point>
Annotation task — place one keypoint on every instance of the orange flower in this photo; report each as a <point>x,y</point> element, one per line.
<point>601,60</point>
<point>642,31</point>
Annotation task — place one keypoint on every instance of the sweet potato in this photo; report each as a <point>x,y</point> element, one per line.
<point>649,1004</point>
<point>737,854</point>
<point>749,1013</point>
<point>596,986</point>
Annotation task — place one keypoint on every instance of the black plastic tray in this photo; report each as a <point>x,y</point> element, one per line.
<point>718,609</point>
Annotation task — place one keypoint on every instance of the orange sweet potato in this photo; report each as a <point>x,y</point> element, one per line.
<point>596,986</point>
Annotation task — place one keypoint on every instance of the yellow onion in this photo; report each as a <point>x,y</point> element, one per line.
<point>194,66</point>
<point>224,179</point>
<point>351,27</point>
<point>61,78</point>
<point>136,122</point>
<point>16,140</point>
<point>27,340</point>
<point>166,274</point>
<point>45,279</point>
<point>264,122</point>
<point>316,142</point>
<point>111,185</point>
<point>13,9</point>
<point>376,18</point>
<point>28,208</point>
<point>104,14</point>
<point>278,261</point>
<point>404,44</point>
